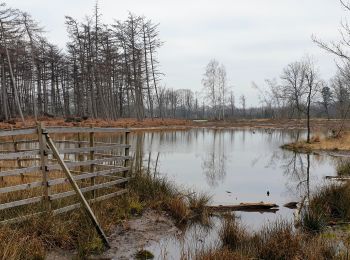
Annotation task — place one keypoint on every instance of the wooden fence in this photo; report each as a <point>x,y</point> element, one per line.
<point>35,165</point>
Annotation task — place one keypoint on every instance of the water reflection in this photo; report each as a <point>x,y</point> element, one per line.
<point>214,162</point>
<point>245,163</point>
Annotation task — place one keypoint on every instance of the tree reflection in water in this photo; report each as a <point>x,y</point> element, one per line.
<point>214,162</point>
<point>296,167</point>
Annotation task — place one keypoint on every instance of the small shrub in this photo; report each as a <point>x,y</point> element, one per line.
<point>144,255</point>
<point>152,189</point>
<point>313,221</point>
<point>333,202</point>
<point>136,207</point>
<point>178,209</point>
<point>198,202</point>
<point>343,168</point>
<point>231,234</point>
<point>278,241</point>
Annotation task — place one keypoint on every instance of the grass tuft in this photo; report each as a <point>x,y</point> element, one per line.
<point>332,201</point>
<point>144,255</point>
<point>343,168</point>
<point>313,221</point>
<point>231,234</point>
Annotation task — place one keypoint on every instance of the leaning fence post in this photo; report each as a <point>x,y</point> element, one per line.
<point>43,164</point>
<point>76,188</point>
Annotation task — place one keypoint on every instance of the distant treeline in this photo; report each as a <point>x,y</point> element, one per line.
<point>111,71</point>
<point>106,71</point>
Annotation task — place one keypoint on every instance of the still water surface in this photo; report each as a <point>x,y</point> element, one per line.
<point>233,166</point>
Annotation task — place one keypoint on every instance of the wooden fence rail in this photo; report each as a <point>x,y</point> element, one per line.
<point>58,171</point>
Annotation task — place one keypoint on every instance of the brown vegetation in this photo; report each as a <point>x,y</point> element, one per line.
<point>73,231</point>
<point>123,123</point>
<point>329,143</point>
<point>171,123</point>
<point>275,241</point>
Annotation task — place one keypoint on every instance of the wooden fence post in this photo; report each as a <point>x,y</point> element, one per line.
<point>92,157</point>
<point>76,188</point>
<point>15,146</point>
<point>80,156</point>
<point>43,164</point>
<point>126,152</point>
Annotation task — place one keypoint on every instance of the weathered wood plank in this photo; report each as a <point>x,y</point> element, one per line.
<point>20,187</point>
<point>64,209</point>
<point>90,188</point>
<point>19,219</point>
<point>88,175</point>
<point>63,130</point>
<point>88,142</point>
<point>20,154</point>
<point>89,162</point>
<point>18,172</point>
<point>20,141</point>
<point>90,149</point>
<point>20,203</point>
<point>5,133</point>
<point>78,205</point>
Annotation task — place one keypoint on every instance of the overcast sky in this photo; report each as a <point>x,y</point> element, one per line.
<point>254,39</point>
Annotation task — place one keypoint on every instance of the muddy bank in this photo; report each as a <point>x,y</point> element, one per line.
<point>136,234</point>
<point>130,237</point>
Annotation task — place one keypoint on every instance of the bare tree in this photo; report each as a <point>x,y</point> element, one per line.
<point>9,30</point>
<point>326,99</point>
<point>313,85</point>
<point>242,100</point>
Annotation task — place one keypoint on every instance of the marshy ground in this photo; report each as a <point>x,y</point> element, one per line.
<point>156,206</point>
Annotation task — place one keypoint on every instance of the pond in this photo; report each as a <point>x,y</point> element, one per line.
<point>233,166</point>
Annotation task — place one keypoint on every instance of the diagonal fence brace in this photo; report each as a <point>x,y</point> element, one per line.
<point>76,188</point>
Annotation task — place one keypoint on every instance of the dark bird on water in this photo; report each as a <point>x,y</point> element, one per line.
<point>268,193</point>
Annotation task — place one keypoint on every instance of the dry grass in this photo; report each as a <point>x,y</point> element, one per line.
<point>159,193</point>
<point>274,241</point>
<point>33,238</point>
<point>317,124</point>
<point>36,236</point>
<point>221,254</point>
<point>332,202</point>
<point>322,144</point>
<point>343,167</point>
<point>124,122</point>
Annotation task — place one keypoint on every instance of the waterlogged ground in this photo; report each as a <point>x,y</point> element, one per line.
<point>233,166</point>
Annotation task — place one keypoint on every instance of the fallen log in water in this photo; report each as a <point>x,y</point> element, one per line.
<point>248,207</point>
<point>291,205</point>
<point>338,178</point>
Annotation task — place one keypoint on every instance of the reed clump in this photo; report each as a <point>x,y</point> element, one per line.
<point>277,240</point>
<point>332,202</point>
<point>343,168</point>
